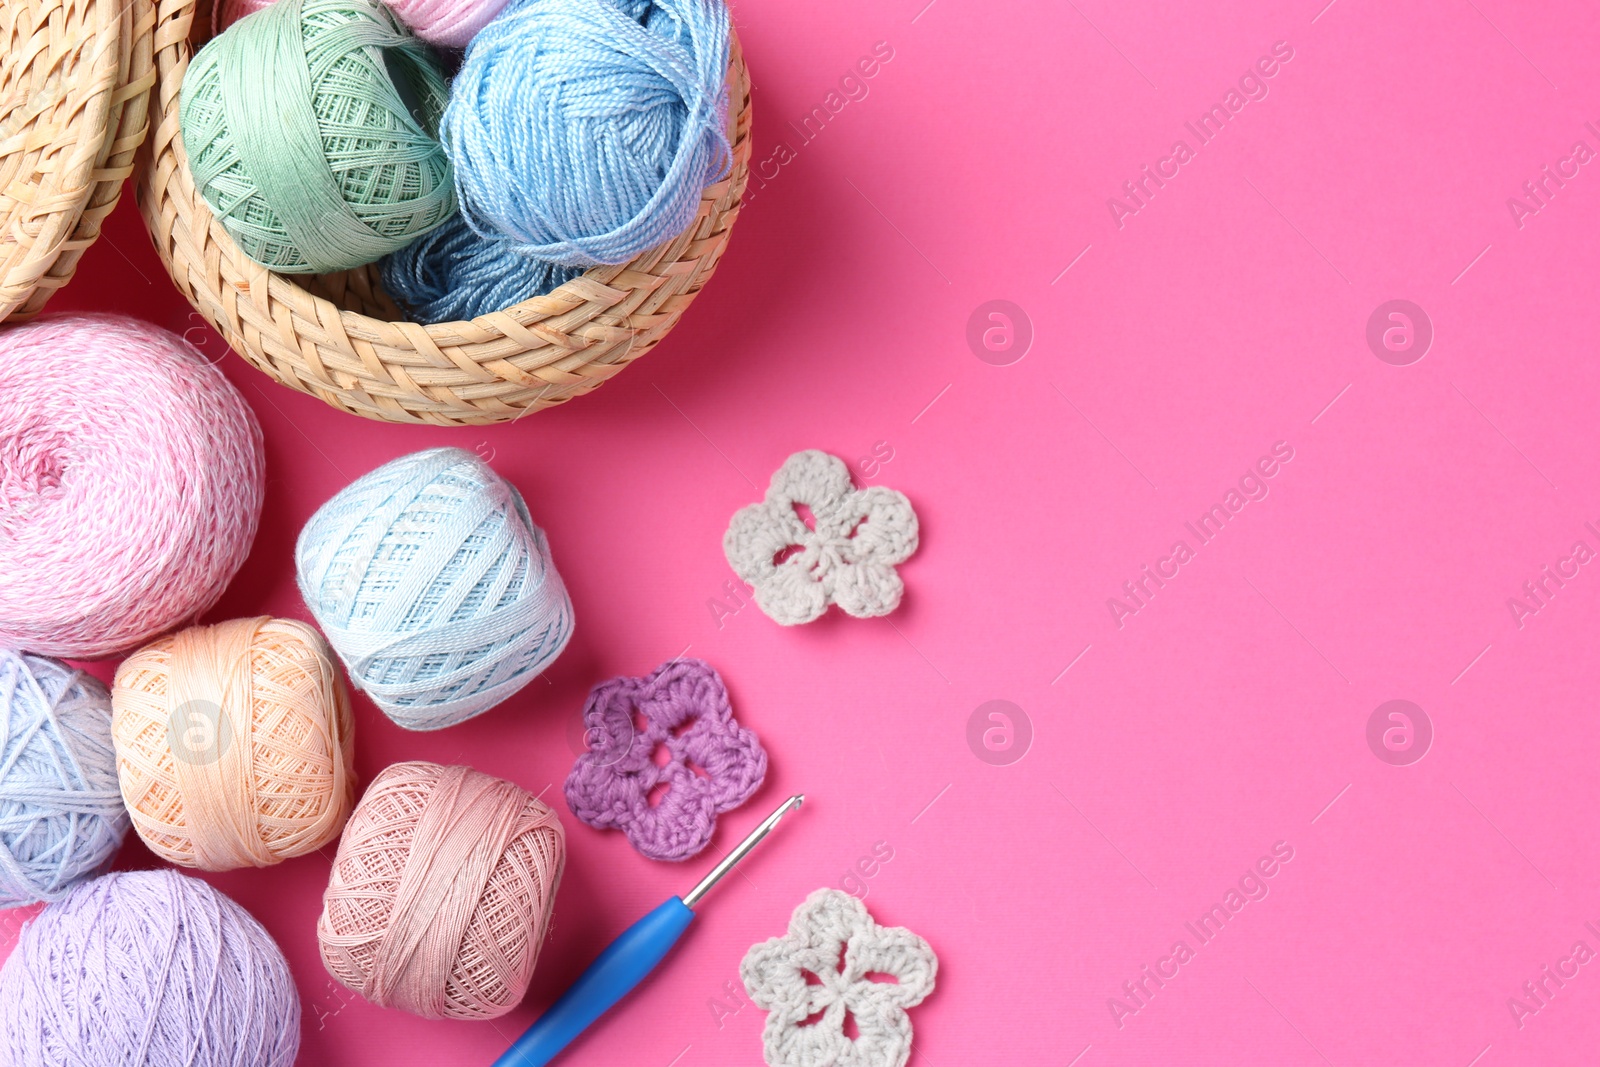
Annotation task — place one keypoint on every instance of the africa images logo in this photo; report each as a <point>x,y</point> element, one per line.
<point>1251,86</point>
<point>1253,886</point>
<point>1140,590</point>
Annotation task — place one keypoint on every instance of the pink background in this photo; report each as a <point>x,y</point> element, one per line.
<point>1230,712</point>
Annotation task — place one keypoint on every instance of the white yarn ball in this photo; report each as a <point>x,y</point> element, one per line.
<point>434,586</point>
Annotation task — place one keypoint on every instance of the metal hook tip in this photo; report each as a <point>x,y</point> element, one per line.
<point>742,849</point>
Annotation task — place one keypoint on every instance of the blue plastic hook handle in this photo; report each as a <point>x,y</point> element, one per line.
<point>612,975</point>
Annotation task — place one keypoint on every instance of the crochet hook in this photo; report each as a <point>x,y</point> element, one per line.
<point>625,961</point>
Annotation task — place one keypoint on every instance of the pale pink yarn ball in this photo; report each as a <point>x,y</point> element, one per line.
<point>440,896</point>
<point>131,476</point>
<point>226,12</point>
<point>448,23</point>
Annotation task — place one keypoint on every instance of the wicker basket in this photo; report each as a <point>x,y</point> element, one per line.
<point>339,336</point>
<point>75,79</point>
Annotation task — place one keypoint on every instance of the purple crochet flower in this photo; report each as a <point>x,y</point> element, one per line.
<point>673,729</point>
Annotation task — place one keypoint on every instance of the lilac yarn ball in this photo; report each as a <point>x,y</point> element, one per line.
<point>61,813</point>
<point>147,968</point>
<point>131,477</point>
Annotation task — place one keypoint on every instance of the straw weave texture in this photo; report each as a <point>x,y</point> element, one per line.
<point>338,336</point>
<point>75,79</point>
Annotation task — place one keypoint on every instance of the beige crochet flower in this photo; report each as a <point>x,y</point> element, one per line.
<point>808,980</point>
<point>847,557</point>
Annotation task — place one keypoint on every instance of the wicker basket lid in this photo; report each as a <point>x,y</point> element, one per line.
<point>75,78</point>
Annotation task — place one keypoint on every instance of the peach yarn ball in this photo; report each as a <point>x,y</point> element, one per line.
<point>234,743</point>
<point>441,893</point>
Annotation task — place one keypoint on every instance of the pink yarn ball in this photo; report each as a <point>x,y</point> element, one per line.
<point>226,12</point>
<point>450,23</point>
<point>131,477</point>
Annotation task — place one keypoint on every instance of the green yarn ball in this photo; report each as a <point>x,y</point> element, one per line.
<point>310,127</point>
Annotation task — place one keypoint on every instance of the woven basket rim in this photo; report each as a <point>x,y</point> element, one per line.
<point>67,146</point>
<point>340,338</point>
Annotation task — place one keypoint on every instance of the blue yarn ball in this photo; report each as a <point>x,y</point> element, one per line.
<point>61,813</point>
<point>586,130</point>
<point>434,586</point>
<point>451,274</point>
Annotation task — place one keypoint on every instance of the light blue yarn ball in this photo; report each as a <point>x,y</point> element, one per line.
<point>586,130</point>
<point>451,274</point>
<point>61,813</point>
<point>434,586</point>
